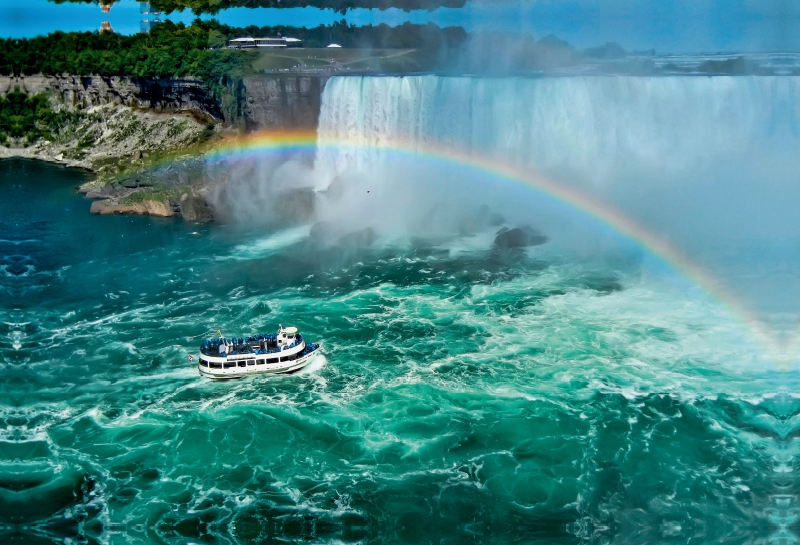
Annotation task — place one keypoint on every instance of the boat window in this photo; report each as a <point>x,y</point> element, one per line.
<point>229,364</point>
<point>203,362</point>
<point>242,363</point>
<point>251,362</point>
<point>216,365</point>
<point>273,359</point>
<point>261,362</point>
<point>284,358</point>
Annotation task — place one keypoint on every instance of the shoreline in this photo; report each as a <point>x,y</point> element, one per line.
<point>115,198</point>
<point>118,147</point>
<point>12,154</point>
<point>103,206</point>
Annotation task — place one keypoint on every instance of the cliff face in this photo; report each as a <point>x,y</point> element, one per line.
<point>279,102</point>
<point>253,103</point>
<point>160,95</point>
<point>122,123</point>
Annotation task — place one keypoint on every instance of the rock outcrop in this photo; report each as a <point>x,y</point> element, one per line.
<point>155,94</point>
<point>149,207</point>
<point>176,189</point>
<point>195,209</point>
<point>519,237</point>
<point>253,102</point>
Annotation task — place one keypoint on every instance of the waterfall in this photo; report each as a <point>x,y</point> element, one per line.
<point>587,127</point>
<point>709,163</point>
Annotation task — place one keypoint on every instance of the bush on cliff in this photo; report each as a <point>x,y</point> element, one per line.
<point>30,117</point>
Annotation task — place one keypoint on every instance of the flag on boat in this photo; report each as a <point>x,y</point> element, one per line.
<point>191,358</point>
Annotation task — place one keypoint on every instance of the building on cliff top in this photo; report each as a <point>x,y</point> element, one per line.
<point>252,43</point>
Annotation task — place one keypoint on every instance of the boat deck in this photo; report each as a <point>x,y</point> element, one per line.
<point>258,345</point>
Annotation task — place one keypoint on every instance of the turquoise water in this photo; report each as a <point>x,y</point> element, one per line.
<point>468,396</point>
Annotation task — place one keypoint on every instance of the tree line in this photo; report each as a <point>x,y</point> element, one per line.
<point>177,50</point>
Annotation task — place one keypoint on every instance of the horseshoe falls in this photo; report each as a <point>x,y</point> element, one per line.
<point>591,389</point>
<point>708,164</point>
<point>585,124</point>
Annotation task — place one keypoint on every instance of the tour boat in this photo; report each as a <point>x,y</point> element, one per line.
<point>283,352</point>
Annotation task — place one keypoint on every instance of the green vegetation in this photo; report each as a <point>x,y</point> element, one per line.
<point>169,50</point>
<point>400,61</point>
<point>198,50</point>
<point>340,6</point>
<point>30,117</point>
<point>148,194</point>
<point>405,36</point>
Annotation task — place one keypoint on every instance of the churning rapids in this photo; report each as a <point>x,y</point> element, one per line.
<point>577,391</point>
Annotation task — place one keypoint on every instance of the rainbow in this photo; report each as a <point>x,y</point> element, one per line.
<point>288,142</point>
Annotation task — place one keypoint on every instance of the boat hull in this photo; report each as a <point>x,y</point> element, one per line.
<point>264,369</point>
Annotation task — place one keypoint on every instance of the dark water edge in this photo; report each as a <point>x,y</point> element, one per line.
<point>478,398</point>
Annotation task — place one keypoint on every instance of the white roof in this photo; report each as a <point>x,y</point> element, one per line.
<point>247,39</point>
<point>290,330</point>
<point>334,45</point>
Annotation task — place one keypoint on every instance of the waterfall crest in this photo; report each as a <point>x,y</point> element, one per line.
<point>590,127</point>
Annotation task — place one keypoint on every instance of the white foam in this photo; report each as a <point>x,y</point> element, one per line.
<point>271,244</point>
<point>315,366</point>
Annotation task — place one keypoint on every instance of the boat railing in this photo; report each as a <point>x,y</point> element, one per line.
<point>242,345</point>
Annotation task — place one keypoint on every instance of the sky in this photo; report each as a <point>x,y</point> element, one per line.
<point>668,26</point>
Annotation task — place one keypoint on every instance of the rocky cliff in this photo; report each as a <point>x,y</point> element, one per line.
<point>156,94</point>
<point>123,126</point>
<point>277,102</point>
<point>252,103</point>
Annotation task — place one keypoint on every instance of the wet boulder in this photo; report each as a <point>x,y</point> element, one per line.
<point>194,208</point>
<point>358,239</point>
<point>151,207</point>
<point>519,237</point>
